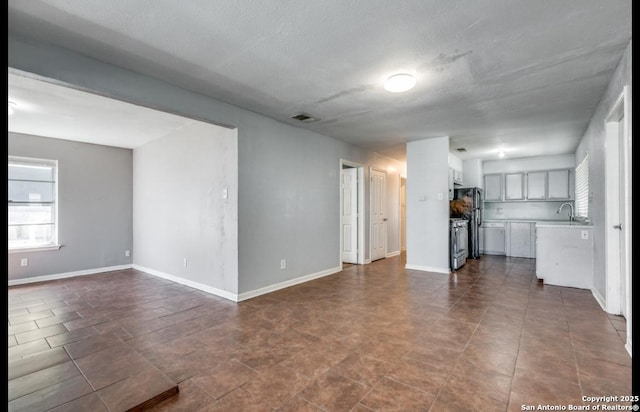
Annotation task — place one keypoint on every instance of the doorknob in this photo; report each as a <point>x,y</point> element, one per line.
<point>618,226</point>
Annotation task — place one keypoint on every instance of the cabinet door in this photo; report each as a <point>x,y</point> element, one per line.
<point>493,187</point>
<point>514,186</point>
<point>537,185</point>
<point>519,239</point>
<point>559,184</point>
<point>493,240</point>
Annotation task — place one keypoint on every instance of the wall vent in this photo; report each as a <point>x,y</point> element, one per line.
<point>303,117</point>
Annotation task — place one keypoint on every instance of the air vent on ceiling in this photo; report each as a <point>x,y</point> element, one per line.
<point>461,149</point>
<point>303,117</point>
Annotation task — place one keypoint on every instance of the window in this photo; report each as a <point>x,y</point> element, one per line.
<point>582,188</point>
<point>32,203</point>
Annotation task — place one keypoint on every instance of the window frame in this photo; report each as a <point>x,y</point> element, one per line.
<point>582,188</point>
<point>54,243</point>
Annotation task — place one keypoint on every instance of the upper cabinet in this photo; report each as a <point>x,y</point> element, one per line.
<point>535,185</point>
<point>559,184</point>
<point>514,186</point>
<point>493,187</point>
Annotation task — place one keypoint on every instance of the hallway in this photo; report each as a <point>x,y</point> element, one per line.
<point>372,337</point>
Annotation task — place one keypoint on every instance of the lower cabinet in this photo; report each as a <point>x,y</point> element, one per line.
<point>516,239</point>
<point>520,240</point>
<point>493,238</point>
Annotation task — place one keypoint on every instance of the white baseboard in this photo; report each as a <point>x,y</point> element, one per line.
<point>65,275</point>
<point>627,346</point>
<point>205,288</point>
<point>428,269</point>
<point>287,283</point>
<point>392,254</point>
<point>599,299</point>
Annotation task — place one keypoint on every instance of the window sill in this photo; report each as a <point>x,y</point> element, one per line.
<point>35,249</point>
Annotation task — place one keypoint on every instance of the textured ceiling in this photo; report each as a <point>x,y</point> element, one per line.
<point>519,75</point>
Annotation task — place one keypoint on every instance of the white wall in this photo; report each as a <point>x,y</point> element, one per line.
<point>288,177</point>
<point>473,173</point>
<point>593,143</point>
<point>94,208</point>
<point>428,205</point>
<point>179,209</point>
<point>567,161</point>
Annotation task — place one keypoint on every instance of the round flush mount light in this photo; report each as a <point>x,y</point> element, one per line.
<point>501,154</point>
<point>400,83</point>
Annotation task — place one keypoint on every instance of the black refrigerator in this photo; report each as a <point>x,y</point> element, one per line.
<point>472,198</point>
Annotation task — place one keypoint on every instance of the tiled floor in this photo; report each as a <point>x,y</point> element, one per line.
<point>488,337</point>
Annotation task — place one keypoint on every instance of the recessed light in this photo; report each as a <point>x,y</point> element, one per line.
<point>400,83</point>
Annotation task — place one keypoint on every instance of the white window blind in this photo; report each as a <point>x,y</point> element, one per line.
<point>582,188</point>
<point>32,203</point>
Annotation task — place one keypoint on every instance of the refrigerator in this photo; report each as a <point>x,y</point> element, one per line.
<point>471,198</point>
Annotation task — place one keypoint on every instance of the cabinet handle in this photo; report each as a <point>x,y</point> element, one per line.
<point>618,226</point>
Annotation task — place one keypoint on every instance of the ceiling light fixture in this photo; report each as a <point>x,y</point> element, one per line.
<point>501,154</point>
<point>400,83</point>
<point>11,107</point>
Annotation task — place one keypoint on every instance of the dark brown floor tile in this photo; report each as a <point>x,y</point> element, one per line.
<point>85,322</point>
<point>223,378</point>
<point>362,369</point>
<point>238,400</point>
<point>438,356</point>
<point>42,378</point>
<point>544,390</point>
<point>276,386</point>
<point>422,376</point>
<point>41,333</point>
<point>601,377</point>
<point>190,398</point>
<point>334,392</point>
<point>455,401</point>
<point>496,358</point>
<point>315,360</point>
<point>467,378</point>
<point>41,360</point>
<point>26,349</point>
<point>390,395</point>
<point>548,365</point>
<point>91,344</point>
<point>70,337</point>
<point>146,388</point>
<point>52,396</point>
<point>90,402</point>
<point>111,365</point>
<point>58,319</point>
<point>299,404</point>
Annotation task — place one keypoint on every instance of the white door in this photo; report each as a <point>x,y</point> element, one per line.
<point>349,215</point>
<point>378,218</point>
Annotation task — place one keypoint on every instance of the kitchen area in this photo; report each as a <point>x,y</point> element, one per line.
<point>527,210</point>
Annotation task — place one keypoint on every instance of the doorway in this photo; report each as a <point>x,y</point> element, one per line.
<point>403,214</point>
<point>618,209</point>
<point>351,213</point>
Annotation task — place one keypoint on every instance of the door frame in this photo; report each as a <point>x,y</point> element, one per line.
<point>360,191</point>
<point>617,146</point>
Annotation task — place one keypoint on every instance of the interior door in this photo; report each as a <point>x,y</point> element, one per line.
<point>378,218</point>
<point>349,215</point>
<point>622,226</point>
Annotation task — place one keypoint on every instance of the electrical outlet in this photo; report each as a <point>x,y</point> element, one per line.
<point>127,253</point>
<point>24,262</point>
<point>184,262</point>
<point>585,234</point>
<point>283,264</point>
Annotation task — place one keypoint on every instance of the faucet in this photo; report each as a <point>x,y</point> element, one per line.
<point>570,210</point>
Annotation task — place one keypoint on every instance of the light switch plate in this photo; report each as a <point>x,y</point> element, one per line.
<point>585,234</point>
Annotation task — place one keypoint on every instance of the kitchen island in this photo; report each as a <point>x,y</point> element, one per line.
<point>564,254</point>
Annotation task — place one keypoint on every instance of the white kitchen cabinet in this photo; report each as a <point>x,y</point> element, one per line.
<point>559,184</point>
<point>537,185</point>
<point>493,187</point>
<point>518,239</point>
<point>514,186</point>
<point>494,238</point>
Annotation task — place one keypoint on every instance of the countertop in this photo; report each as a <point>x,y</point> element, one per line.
<point>542,222</point>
